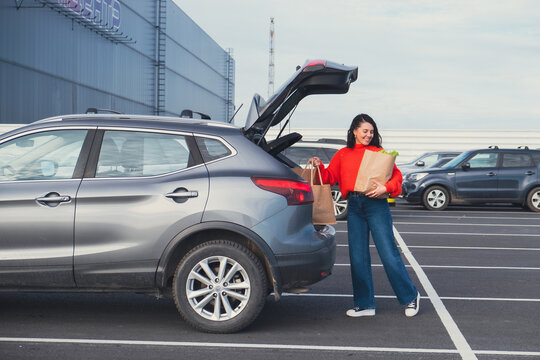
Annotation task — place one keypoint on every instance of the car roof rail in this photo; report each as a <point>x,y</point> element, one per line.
<point>97,111</point>
<point>523,147</point>
<point>493,147</point>
<point>187,113</point>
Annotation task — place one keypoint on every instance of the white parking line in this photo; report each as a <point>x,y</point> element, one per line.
<point>461,224</point>
<point>464,217</point>
<point>457,337</point>
<point>262,346</point>
<point>460,298</point>
<point>462,267</point>
<point>471,248</point>
<point>459,233</point>
<point>227,345</point>
<point>459,247</point>
<point>494,212</point>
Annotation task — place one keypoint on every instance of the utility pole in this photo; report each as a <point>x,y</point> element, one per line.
<point>271,61</point>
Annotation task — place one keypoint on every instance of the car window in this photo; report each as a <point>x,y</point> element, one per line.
<point>330,152</point>
<point>516,160</point>
<point>536,158</point>
<point>321,154</point>
<point>301,154</point>
<point>483,160</point>
<point>457,160</point>
<point>212,149</point>
<point>430,159</point>
<point>41,156</point>
<point>136,153</point>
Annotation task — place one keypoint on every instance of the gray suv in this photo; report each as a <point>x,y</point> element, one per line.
<point>201,211</point>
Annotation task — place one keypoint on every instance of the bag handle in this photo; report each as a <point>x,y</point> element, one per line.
<point>316,169</point>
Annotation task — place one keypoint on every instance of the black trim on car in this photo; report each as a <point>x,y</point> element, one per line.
<point>80,167</point>
<point>91,164</point>
<point>169,252</point>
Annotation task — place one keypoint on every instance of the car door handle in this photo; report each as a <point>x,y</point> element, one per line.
<point>54,198</point>
<point>530,172</point>
<point>182,194</point>
<point>491,173</point>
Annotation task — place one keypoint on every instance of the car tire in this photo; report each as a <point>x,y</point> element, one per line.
<point>230,300</point>
<point>533,199</point>
<point>340,205</point>
<point>435,198</point>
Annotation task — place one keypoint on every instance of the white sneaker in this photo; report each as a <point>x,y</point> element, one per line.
<point>357,312</point>
<point>413,307</point>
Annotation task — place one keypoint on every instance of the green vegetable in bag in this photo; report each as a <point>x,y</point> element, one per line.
<point>393,153</point>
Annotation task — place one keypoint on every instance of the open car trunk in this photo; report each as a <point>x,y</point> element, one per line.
<point>314,77</point>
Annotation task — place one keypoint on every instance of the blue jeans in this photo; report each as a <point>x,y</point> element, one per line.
<point>365,215</point>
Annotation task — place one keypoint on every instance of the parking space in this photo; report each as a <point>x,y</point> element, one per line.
<point>480,288</point>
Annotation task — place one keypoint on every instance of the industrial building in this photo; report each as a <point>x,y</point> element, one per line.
<point>144,57</point>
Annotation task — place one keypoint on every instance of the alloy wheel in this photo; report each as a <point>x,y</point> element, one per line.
<point>533,199</point>
<point>436,198</point>
<point>340,204</point>
<point>218,288</point>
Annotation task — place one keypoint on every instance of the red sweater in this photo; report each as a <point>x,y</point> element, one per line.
<point>344,166</point>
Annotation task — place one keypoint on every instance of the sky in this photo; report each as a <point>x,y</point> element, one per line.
<point>460,64</point>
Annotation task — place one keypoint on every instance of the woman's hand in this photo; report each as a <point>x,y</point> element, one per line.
<point>377,190</point>
<point>315,161</point>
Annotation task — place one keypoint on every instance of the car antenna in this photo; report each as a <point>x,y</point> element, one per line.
<point>236,112</point>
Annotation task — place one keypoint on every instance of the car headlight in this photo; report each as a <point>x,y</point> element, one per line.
<point>417,176</point>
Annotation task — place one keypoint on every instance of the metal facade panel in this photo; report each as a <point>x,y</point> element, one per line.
<point>51,65</point>
<point>197,64</point>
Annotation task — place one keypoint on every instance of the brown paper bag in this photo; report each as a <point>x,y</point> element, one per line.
<point>323,204</point>
<point>375,166</point>
<point>306,173</point>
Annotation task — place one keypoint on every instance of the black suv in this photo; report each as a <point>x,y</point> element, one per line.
<point>479,176</point>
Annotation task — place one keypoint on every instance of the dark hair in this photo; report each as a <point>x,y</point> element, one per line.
<point>355,124</point>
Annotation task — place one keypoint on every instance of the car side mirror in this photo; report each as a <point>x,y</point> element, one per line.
<point>420,163</point>
<point>48,168</point>
<point>466,166</point>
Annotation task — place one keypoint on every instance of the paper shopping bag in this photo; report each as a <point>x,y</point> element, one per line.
<point>375,166</point>
<point>306,173</point>
<point>323,204</point>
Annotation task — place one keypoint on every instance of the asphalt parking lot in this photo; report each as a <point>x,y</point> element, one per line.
<point>477,269</point>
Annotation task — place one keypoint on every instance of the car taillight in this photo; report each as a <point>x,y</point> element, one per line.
<point>314,65</point>
<point>296,192</point>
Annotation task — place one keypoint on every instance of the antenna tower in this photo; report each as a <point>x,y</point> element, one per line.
<point>271,61</point>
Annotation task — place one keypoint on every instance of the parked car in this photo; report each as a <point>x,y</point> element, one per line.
<point>425,160</point>
<point>439,163</point>
<point>490,175</point>
<point>202,211</point>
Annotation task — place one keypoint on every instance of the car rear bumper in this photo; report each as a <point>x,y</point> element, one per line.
<point>302,269</point>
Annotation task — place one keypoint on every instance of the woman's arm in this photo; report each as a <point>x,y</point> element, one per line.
<point>393,186</point>
<point>330,175</point>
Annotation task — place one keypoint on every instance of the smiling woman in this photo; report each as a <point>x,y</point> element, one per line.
<point>368,213</point>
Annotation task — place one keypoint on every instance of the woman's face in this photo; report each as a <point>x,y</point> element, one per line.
<point>364,133</point>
